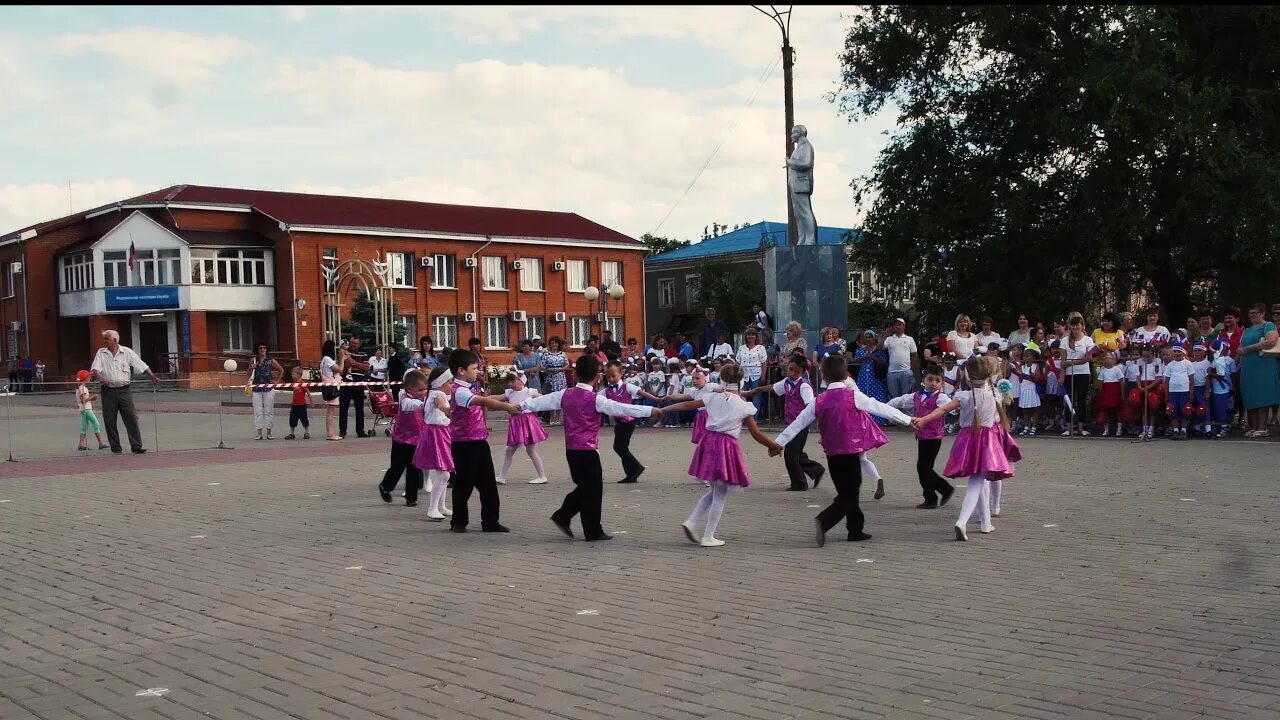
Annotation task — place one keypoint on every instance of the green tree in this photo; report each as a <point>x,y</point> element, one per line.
<point>715,229</point>
<point>872,314</point>
<point>658,244</point>
<point>729,288</point>
<point>360,323</point>
<point>1043,152</point>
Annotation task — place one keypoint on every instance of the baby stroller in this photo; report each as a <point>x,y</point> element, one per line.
<point>383,404</point>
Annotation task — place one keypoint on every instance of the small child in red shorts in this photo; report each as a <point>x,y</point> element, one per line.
<point>298,408</point>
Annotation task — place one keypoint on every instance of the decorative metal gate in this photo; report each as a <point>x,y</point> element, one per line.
<point>371,277</point>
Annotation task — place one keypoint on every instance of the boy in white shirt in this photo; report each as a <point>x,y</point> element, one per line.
<point>1221,388</point>
<point>1200,386</point>
<point>1177,374</point>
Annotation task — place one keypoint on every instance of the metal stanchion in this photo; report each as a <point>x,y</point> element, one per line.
<point>8,409</point>
<point>222,444</point>
<point>155,415</point>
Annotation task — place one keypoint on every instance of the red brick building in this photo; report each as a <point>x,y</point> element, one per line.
<point>219,269</point>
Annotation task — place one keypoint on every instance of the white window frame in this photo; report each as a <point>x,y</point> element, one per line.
<point>400,269</point>
<point>610,273</point>
<point>234,325</point>
<point>444,328</point>
<point>577,275</point>
<point>616,325</point>
<point>115,268</point>
<point>855,286</point>
<point>535,325</point>
<point>497,332</point>
<point>666,292</point>
<point>410,324</point>
<point>329,254</point>
<point>77,272</point>
<point>493,273</point>
<point>250,267</point>
<point>444,271</point>
<point>692,290</point>
<point>579,329</point>
<point>531,275</point>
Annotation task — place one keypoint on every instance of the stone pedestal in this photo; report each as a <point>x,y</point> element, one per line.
<point>808,284</point>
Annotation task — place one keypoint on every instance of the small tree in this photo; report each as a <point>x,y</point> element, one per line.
<point>730,289</point>
<point>658,244</point>
<point>361,322</point>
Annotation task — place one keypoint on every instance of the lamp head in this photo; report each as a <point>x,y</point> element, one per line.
<point>616,291</point>
<point>591,294</point>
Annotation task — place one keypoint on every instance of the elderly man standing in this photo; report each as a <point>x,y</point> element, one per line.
<point>114,366</point>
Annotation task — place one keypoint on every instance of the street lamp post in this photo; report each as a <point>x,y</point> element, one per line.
<point>603,293</point>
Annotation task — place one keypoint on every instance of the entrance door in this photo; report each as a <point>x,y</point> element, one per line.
<point>153,344</point>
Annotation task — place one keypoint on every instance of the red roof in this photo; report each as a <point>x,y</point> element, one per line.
<point>379,213</point>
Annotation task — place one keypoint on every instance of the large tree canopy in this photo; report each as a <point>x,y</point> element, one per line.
<point>1046,156</point>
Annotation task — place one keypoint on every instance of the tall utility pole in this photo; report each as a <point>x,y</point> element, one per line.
<point>788,98</point>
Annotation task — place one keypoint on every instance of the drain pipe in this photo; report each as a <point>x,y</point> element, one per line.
<point>475,295</point>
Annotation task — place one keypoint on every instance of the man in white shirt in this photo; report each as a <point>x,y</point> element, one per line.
<point>904,360</point>
<point>988,336</point>
<point>114,366</point>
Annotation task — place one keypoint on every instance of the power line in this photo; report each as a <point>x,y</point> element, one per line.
<point>764,77</point>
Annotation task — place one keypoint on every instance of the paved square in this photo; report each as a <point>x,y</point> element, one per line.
<point>1123,581</point>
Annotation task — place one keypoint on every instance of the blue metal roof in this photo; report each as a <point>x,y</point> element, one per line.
<point>747,239</point>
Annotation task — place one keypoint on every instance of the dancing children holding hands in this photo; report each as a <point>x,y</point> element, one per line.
<point>524,430</point>
<point>434,452</point>
<point>796,394</point>
<point>469,443</point>
<point>718,459</point>
<point>921,403</point>
<point>846,432</point>
<point>404,440</point>
<point>624,392</point>
<point>582,408</point>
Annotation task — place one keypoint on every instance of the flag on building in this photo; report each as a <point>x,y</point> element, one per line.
<point>133,256</point>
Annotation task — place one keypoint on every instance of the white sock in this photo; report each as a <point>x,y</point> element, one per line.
<point>719,491</point>
<point>536,460</point>
<point>439,482</point>
<point>972,494</point>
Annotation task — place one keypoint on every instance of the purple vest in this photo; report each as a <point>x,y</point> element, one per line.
<point>924,406</point>
<point>408,426</point>
<point>581,421</point>
<point>841,429</point>
<point>623,395</point>
<point>792,404</point>
<point>466,423</point>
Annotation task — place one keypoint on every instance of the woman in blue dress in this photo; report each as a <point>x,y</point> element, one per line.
<point>556,365</point>
<point>429,360</point>
<point>1259,385</point>
<point>866,358</point>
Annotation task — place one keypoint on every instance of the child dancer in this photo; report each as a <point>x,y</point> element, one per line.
<point>656,384</point>
<point>1150,385</point>
<point>84,401</point>
<point>797,394</point>
<point>1029,391</point>
<point>434,453</point>
<point>1219,378</point>
<point>405,432</point>
<point>936,491</point>
<point>718,459</point>
<point>582,408</point>
<point>1111,396</point>
<point>983,450</point>
<point>298,407</point>
<point>522,430</point>
<point>469,443</point>
<point>846,432</point>
<point>624,392</point>
<point>1178,374</point>
<point>1199,390</point>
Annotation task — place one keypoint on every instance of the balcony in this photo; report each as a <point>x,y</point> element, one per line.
<point>132,299</point>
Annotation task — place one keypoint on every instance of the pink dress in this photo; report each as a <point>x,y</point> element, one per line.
<point>434,451</point>
<point>718,457</point>
<point>525,428</point>
<point>983,446</point>
<point>700,417</point>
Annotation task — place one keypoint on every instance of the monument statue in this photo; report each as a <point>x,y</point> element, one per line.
<point>800,180</point>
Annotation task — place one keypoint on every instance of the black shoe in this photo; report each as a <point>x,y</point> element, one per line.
<point>858,537</point>
<point>946,495</point>
<point>601,536</point>
<point>496,527</point>
<point>411,503</point>
<point>822,534</point>
<point>139,451</point>
<point>626,480</point>
<point>818,477</point>
<point>116,451</point>
<point>927,506</point>
<point>800,488</point>
<point>386,494</point>
<point>564,526</point>
<point>457,528</point>
<point>879,490</point>
<point>638,473</point>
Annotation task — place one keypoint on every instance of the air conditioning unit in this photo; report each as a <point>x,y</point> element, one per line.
<point>517,265</point>
<point>426,261</point>
<point>16,326</point>
<point>518,316</point>
<point>469,317</point>
<point>557,266</point>
<point>469,263</point>
<point>559,317</point>
<point>17,267</point>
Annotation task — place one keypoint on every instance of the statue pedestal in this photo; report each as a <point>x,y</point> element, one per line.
<point>808,284</point>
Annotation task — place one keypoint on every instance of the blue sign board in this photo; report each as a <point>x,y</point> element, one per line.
<point>142,298</point>
<point>186,334</point>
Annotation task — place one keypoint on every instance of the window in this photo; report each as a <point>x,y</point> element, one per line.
<point>855,286</point>
<point>614,325</point>
<point>229,267</point>
<point>329,254</point>
<point>535,326</point>
<point>531,274</point>
<point>443,273</point>
<point>495,332</point>
<point>400,269</point>
<point>493,274</point>
<point>666,292</point>
<point>611,273</point>
<point>77,272</point>
<point>237,332</point>
<point>444,330</point>
<point>157,267</point>
<point>203,267</point>
<point>692,283</point>
<point>115,269</point>
<point>410,325</point>
<point>579,331</point>
<point>578,279</point>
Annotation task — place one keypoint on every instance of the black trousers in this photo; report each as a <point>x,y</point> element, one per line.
<point>846,475</point>
<point>622,446</point>
<point>587,494</point>
<point>116,403</point>
<point>401,461</point>
<point>931,483</point>
<point>346,396</point>
<point>798,463</point>
<point>1078,391</point>
<point>298,414</point>
<point>474,470</point>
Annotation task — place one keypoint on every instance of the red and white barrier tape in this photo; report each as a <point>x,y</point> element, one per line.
<point>277,386</point>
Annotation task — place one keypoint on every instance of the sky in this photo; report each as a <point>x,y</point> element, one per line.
<point>609,112</point>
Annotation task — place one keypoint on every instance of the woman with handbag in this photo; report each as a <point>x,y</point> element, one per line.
<point>263,370</point>
<point>331,377</point>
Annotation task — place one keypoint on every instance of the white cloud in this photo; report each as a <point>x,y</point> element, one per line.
<point>23,205</point>
<point>172,55</point>
<point>294,14</point>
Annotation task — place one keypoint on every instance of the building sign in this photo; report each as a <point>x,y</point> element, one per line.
<point>186,334</point>
<point>142,298</point>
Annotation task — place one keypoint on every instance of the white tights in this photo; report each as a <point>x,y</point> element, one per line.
<point>438,481</point>
<point>712,506</point>
<point>994,487</point>
<point>533,455</point>
<point>869,471</point>
<point>977,490</point>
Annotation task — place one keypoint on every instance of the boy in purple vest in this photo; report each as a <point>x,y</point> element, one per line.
<point>470,444</point>
<point>847,430</point>
<point>928,437</point>
<point>582,408</point>
<point>796,394</point>
<point>624,392</point>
